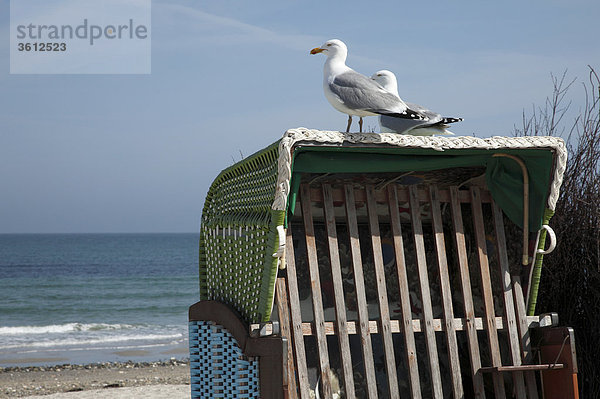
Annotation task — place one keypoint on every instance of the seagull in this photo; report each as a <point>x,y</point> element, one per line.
<point>355,94</point>
<point>435,123</point>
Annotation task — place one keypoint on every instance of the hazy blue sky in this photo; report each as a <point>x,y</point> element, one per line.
<point>110,153</point>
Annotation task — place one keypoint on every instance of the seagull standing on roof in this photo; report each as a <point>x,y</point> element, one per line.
<point>436,124</point>
<point>355,94</point>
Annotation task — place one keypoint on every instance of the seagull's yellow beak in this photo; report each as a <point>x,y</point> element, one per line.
<point>316,50</point>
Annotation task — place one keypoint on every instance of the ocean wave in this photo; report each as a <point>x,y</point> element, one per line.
<point>76,348</point>
<point>75,341</point>
<point>64,328</point>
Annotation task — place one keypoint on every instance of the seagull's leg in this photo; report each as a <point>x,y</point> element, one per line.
<point>349,123</point>
<point>360,124</point>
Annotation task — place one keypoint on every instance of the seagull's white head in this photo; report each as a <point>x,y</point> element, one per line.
<point>333,48</point>
<point>388,80</point>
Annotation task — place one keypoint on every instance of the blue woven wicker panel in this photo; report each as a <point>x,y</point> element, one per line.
<point>218,367</point>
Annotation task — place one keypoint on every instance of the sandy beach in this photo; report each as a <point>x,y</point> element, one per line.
<point>101,380</point>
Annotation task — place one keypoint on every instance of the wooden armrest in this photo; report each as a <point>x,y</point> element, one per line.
<point>523,367</point>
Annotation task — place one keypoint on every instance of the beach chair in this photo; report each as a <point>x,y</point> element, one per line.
<point>380,265</point>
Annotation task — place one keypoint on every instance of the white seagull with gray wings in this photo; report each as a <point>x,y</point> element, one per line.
<point>355,94</point>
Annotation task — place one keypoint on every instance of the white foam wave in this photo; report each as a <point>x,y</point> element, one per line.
<point>63,328</point>
<point>108,347</point>
<point>65,343</point>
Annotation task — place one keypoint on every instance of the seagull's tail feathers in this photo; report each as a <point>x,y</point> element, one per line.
<point>438,128</point>
<point>447,120</point>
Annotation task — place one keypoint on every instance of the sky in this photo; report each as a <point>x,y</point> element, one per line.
<point>137,153</point>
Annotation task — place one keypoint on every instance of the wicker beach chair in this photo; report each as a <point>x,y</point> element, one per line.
<point>381,265</point>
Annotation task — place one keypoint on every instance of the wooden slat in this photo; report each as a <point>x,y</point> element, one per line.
<point>361,298</point>
<point>446,289</point>
<point>523,367</point>
<point>315,285</point>
<point>486,289</point>
<point>382,298</point>
<point>338,290</point>
<point>523,326</point>
<point>381,197</point>
<point>407,322</point>
<point>465,279</point>
<point>396,326</point>
<point>283,310</point>
<point>296,316</point>
<point>509,306</point>
<point>430,340</point>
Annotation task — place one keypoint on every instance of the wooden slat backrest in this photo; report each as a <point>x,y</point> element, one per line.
<point>283,311</point>
<point>410,354</point>
<point>340,303</point>
<point>509,307</point>
<point>430,340</point>
<point>487,293</point>
<point>513,324</point>
<point>315,284</point>
<point>438,232</point>
<point>361,297</point>
<point>524,336</point>
<point>465,279</point>
<point>296,317</point>
<point>382,296</point>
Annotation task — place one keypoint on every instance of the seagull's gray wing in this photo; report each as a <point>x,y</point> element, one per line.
<point>358,92</point>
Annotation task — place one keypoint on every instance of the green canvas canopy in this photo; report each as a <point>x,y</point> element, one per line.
<point>246,206</point>
<point>503,175</point>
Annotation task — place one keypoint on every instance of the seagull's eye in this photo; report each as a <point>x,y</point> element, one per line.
<point>328,44</point>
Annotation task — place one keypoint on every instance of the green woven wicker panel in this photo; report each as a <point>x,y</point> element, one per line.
<point>238,236</point>
<point>245,196</point>
<point>235,256</point>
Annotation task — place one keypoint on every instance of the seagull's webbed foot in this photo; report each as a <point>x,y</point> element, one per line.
<point>360,122</point>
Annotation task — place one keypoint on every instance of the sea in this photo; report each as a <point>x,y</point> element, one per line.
<point>88,298</point>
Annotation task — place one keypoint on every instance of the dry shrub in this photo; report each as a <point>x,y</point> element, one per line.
<point>570,283</point>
